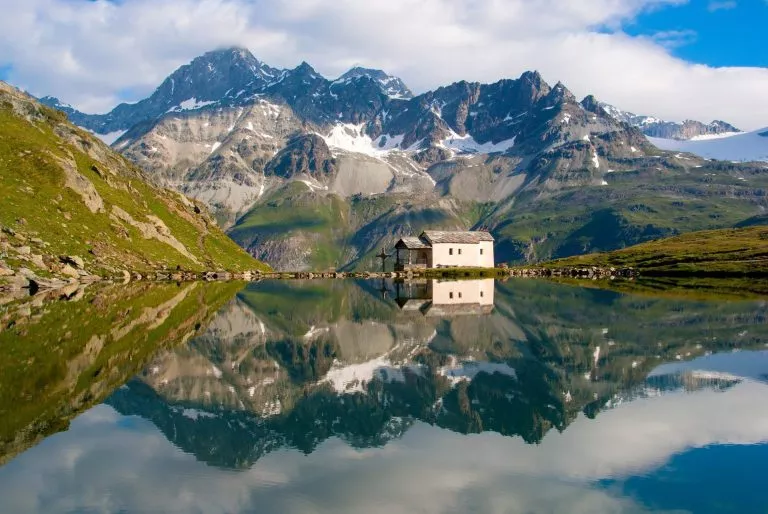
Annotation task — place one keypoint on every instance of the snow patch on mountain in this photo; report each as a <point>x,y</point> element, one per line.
<point>741,147</point>
<point>270,109</point>
<point>467,144</point>
<point>391,86</point>
<point>313,187</point>
<point>195,414</point>
<point>705,137</point>
<point>352,377</point>
<point>313,331</point>
<point>352,138</point>
<point>457,372</point>
<point>110,138</point>
<point>191,104</point>
<point>746,365</point>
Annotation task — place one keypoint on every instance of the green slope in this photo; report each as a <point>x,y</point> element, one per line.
<point>634,207</point>
<point>293,220</point>
<point>742,251</point>
<point>66,193</point>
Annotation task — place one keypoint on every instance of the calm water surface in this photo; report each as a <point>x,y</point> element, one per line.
<point>342,396</point>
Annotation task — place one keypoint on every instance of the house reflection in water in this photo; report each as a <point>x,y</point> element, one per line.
<point>445,298</point>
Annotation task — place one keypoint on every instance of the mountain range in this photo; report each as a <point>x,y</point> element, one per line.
<point>306,172</point>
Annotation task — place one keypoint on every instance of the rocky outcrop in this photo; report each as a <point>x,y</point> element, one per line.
<point>74,180</point>
<point>304,155</point>
<point>155,229</point>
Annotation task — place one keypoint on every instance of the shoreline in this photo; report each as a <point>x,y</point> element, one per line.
<point>24,278</point>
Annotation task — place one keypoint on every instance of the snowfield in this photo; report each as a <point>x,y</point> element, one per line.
<point>352,138</point>
<point>191,104</point>
<point>111,137</point>
<point>741,147</point>
<point>467,144</point>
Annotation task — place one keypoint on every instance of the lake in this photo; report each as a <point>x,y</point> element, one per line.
<point>523,396</point>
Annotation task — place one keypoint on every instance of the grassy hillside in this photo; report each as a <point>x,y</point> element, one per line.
<point>633,207</point>
<point>292,221</point>
<point>64,193</point>
<point>742,251</point>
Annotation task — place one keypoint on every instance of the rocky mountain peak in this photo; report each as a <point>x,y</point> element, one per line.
<point>723,126</point>
<point>305,70</point>
<point>51,101</point>
<point>390,85</point>
<point>212,76</point>
<point>558,95</point>
<point>531,86</point>
<point>532,77</point>
<point>591,104</point>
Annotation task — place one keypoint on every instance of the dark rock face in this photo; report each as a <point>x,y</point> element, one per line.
<point>489,112</point>
<point>304,155</point>
<point>320,101</point>
<point>591,104</point>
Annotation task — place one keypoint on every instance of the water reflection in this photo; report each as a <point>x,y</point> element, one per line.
<point>294,364</point>
<point>65,351</point>
<point>379,390</point>
<point>446,298</point>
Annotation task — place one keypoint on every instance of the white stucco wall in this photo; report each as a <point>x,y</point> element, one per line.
<point>462,292</point>
<point>487,257</point>
<point>464,255</point>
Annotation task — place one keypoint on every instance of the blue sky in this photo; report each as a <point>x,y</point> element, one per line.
<point>716,33</point>
<point>674,59</point>
<point>5,71</point>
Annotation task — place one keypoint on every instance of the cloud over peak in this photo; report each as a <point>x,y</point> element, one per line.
<point>90,53</point>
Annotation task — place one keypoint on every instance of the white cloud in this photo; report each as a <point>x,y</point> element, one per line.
<point>721,6</point>
<point>87,52</point>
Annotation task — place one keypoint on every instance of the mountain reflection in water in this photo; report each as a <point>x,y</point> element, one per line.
<point>571,392</point>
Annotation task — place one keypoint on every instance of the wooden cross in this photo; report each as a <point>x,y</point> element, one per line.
<point>383,256</point>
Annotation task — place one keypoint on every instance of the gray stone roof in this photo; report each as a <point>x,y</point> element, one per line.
<point>412,243</point>
<point>458,237</point>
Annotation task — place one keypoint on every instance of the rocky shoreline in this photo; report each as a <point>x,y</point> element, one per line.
<point>25,279</point>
